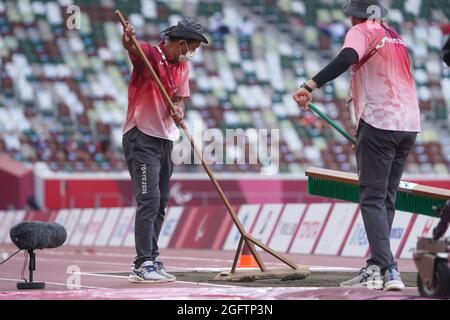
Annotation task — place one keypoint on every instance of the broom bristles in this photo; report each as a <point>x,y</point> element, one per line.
<point>407,202</point>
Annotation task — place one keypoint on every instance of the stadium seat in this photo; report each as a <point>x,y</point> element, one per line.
<point>63,95</point>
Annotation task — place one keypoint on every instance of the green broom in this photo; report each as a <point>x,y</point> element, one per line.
<point>332,184</point>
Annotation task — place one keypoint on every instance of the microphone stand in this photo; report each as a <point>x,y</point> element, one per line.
<point>30,285</point>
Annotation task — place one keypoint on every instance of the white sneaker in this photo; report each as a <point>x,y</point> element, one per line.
<point>369,277</point>
<point>160,270</point>
<point>393,280</point>
<point>146,273</point>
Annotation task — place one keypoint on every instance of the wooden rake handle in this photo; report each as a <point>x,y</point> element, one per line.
<point>245,236</point>
<point>171,107</point>
<point>147,63</point>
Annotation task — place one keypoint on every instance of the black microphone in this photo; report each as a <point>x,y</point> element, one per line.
<point>32,235</point>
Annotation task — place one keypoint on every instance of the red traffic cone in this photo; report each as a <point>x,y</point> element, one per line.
<point>247,260</point>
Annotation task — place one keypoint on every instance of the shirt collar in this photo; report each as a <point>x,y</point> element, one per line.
<point>166,53</point>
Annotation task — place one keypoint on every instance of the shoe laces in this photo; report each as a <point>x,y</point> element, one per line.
<point>150,268</point>
<point>392,273</point>
<point>371,269</point>
<point>159,265</point>
<point>363,270</point>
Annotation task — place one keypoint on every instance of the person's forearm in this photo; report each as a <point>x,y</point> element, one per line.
<point>337,67</point>
<point>129,46</point>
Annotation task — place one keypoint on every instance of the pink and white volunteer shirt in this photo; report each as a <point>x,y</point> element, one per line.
<point>146,107</point>
<point>383,89</point>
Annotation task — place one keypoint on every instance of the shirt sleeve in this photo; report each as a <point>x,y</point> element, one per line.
<point>358,40</point>
<point>149,53</point>
<point>338,66</point>
<point>184,90</point>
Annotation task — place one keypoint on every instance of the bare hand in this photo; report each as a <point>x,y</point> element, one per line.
<point>302,97</point>
<point>128,32</point>
<point>178,114</point>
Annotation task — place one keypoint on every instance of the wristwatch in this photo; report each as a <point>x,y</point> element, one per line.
<point>308,88</point>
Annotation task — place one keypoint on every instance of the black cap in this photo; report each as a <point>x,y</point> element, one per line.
<point>187,29</point>
<point>360,9</point>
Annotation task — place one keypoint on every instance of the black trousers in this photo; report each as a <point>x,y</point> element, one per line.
<point>150,166</point>
<point>381,156</point>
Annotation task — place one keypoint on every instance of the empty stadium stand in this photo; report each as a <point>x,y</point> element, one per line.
<point>63,93</point>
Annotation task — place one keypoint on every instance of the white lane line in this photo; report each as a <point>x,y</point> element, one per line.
<point>311,268</point>
<point>55,283</point>
<point>84,262</point>
<point>178,258</point>
<point>104,275</point>
<point>130,264</point>
<point>332,269</point>
<point>182,282</point>
<point>191,269</point>
<point>211,269</point>
<point>68,260</point>
<point>209,284</point>
<point>130,256</point>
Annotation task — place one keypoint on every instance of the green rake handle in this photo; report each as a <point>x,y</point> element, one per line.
<point>332,123</point>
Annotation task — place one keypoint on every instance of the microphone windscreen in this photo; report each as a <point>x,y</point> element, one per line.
<point>57,235</point>
<point>31,235</point>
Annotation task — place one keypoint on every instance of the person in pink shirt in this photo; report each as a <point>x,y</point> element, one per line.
<point>149,132</point>
<point>387,113</point>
